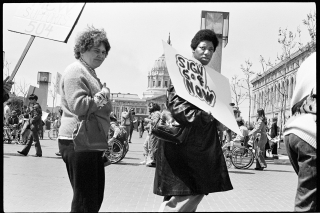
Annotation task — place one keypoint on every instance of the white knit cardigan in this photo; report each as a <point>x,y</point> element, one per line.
<point>304,125</point>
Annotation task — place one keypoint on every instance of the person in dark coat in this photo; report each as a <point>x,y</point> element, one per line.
<point>273,134</point>
<point>35,123</point>
<point>188,171</point>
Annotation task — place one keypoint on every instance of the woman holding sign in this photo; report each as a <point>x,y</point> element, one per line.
<point>188,171</point>
<point>78,85</point>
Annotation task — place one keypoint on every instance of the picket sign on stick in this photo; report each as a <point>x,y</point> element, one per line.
<point>193,83</point>
<point>21,58</point>
<point>54,21</point>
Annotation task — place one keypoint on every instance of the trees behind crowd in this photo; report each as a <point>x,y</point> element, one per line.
<point>277,96</point>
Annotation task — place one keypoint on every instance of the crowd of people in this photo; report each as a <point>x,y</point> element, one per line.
<point>186,172</point>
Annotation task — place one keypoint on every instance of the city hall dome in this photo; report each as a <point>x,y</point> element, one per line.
<point>158,77</point>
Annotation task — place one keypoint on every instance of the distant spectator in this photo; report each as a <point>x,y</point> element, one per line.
<point>7,85</point>
<point>7,110</point>
<point>58,123</point>
<point>260,139</point>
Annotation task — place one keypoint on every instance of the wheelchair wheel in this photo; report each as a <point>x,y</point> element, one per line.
<point>53,134</point>
<point>125,149</point>
<point>227,157</point>
<point>242,158</point>
<point>116,151</point>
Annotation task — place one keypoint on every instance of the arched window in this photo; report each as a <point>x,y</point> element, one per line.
<point>291,88</point>
<point>262,101</point>
<point>254,102</point>
<point>271,96</point>
<point>278,96</point>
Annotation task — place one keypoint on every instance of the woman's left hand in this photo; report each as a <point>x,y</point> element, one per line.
<point>100,99</point>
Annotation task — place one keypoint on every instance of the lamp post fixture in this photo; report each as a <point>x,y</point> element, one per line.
<point>219,23</point>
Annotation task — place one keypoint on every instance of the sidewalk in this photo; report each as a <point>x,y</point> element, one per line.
<point>42,184</point>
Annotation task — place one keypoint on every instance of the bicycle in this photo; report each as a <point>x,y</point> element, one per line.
<point>239,156</point>
<point>53,133</point>
<point>11,133</point>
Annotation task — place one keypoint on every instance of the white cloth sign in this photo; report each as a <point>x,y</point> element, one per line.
<point>44,115</point>
<point>209,92</point>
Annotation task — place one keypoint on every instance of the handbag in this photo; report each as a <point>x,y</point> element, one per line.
<point>89,135</point>
<point>174,134</point>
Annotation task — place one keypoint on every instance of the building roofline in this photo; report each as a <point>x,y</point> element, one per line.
<point>281,63</point>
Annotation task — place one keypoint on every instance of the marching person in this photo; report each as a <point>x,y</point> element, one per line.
<point>34,124</point>
<point>82,93</point>
<point>188,171</point>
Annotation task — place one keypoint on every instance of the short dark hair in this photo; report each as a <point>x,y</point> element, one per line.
<point>155,107</point>
<point>202,35</point>
<point>60,111</point>
<point>239,121</point>
<point>89,38</point>
<point>33,96</point>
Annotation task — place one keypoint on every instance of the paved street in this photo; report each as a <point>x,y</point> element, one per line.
<point>42,184</point>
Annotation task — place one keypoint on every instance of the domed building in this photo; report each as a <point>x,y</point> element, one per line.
<point>158,78</point>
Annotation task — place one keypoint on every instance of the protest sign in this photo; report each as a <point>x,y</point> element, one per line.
<point>44,115</point>
<point>208,92</point>
<point>54,21</point>
<point>46,20</point>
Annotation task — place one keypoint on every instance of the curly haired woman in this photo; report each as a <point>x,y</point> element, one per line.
<point>82,93</point>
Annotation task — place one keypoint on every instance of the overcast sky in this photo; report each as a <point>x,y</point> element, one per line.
<point>136,30</point>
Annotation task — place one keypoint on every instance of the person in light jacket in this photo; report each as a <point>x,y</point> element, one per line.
<point>260,137</point>
<point>82,93</point>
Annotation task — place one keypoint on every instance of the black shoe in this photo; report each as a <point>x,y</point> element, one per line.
<point>21,153</point>
<point>260,169</point>
<point>129,141</point>
<point>58,154</point>
<point>37,156</point>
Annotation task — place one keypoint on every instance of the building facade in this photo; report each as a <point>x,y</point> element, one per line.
<point>281,79</point>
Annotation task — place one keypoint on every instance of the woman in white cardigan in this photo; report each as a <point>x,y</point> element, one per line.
<point>82,93</point>
<point>300,136</point>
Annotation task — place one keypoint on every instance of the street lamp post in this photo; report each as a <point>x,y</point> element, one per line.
<point>219,23</point>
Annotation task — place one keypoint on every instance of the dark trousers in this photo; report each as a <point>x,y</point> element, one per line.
<point>141,133</point>
<point>86,175</point>
<point>303,158</point>
<point>128,129</point>
<point>33,136</point>
<point>131,131</point>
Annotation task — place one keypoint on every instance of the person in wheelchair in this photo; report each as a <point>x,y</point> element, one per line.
<point>13,123</point>
<point>115,132</point>
<point>244,131</point>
